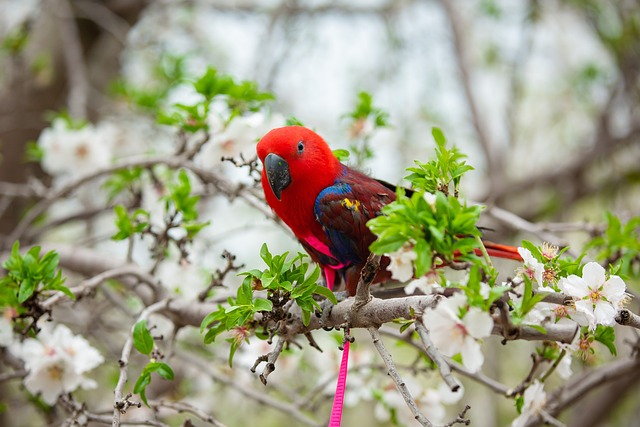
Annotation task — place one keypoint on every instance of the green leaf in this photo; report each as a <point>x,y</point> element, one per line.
<point>534,250</point>
<point>293,121</point>
<point>519,403</point>
<point>607,336</point>
<point>341,154</point>
<point>27,287</point>
<point>142,339</point>
<point>164,371</point>
<point>141,384</point>
<point>261,304</point>
<point>424,260</point>
<point>325,292</point>
<point>438,135</point>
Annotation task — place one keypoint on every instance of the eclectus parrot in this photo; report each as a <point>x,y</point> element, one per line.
<point>327,204</point>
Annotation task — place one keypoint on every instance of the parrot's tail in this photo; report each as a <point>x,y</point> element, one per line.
<point>500,251</point>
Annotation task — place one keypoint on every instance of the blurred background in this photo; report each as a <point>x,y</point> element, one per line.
<point>543,96</point>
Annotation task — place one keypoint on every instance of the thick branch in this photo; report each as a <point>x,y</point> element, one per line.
<point>627,318</point>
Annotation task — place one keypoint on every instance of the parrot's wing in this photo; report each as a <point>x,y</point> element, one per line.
<point>343,211</point>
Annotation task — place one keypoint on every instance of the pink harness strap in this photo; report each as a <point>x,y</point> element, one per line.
<point>338,398</point>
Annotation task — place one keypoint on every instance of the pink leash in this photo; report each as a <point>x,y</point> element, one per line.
<point>338,398</point>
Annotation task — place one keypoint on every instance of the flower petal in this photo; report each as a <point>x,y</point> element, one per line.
<point>614,289</point>
<point>604,313</point>
<point>574,286</point>
<point>594,275</point>
<point>478,323</point>
<point>472,357</point>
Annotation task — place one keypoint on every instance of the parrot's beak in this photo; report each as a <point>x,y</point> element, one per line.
<point>277,173</point>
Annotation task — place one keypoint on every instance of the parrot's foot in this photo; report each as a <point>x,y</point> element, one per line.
<point>326,306</point>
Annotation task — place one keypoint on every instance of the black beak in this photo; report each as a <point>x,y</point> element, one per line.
<point>277,173</point>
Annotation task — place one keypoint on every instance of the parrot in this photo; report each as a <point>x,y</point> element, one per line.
<point>327,204</point>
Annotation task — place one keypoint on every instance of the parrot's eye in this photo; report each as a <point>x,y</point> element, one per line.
<point>300,147</point>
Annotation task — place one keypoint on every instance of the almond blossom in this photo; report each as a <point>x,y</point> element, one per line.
<point>75,152</point>
<point>426,284</point>
<point>453,334</point>
<point>596,296</point>
<point>401,265</point>
<point>533,268</point>
<point>6,330</point>
<point>534,401</point>
<point>56,361</point>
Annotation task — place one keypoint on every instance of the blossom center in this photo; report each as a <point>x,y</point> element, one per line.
<point>595,296</point>
<point>561,311</point>
<point>530,272</point>
<point>82,151</point>
<point>55,372</point>
<point>49,351</point>
<point>461,330</point>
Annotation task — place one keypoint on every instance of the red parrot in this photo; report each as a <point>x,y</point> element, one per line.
<point>327,204</point>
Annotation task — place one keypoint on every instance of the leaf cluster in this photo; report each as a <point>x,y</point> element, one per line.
<point>284,280</point>
<point>180,210</point>
<point>444,172</point>
<point>170,71</point>
<point>241,97</point>
<point>30,274</point>
<point>365,109</point>
<point>363,113</point>
<point>619,244</point>
<point>443,232</point>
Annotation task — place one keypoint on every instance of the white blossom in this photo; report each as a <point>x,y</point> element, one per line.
<point>564,367</point>
<point>452,334</point>
<point>596,296</point>
<point>75,152</point>
<point>533,268</point>
<point>182,277</point>
<point>431,199</point>
<point>239,136</point>
<point>6,331</point>
<point>534,400</point>
<point>425,284</point>
<point>56,360</point>
<point>401,265</point>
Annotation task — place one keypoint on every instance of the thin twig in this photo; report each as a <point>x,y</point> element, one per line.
<point>475,376</point>
<point>118,403</point>
<point>553,366</point>
<point>393,373</point>
<point>89,285</point>
<point>436,357</point>
<point>247,391</point>
<point>271,359</point>
<point>186,407</point>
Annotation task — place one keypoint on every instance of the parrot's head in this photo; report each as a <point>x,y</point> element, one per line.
<point>297,165</point>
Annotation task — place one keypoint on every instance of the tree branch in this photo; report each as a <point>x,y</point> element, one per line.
<point>435,356</point>
<point>120,404</point>
<point>393,373</point>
